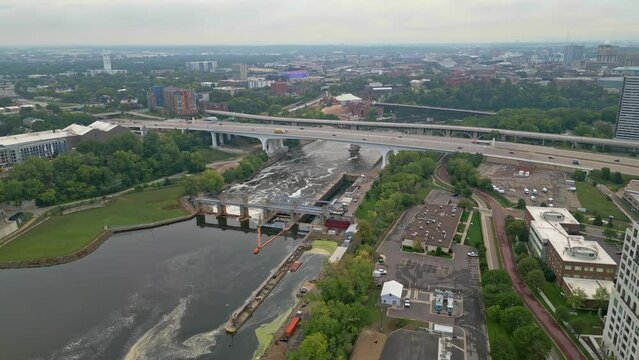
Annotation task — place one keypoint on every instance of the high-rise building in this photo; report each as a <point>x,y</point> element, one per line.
<point>240,72</point>
<point>201,66</point>
<point>608,54</point>
<point>173,100</point>
<point>106,61</point>
<point>621,330</point>
<point>628,115</point>
<point>572,55</point>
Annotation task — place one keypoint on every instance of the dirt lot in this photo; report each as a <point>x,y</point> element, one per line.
<point>506,177</point>
<point>369,345</point>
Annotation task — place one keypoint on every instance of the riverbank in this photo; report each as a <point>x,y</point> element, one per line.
<point>67,237</point>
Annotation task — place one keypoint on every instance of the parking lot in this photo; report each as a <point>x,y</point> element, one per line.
<point>508,178</point>
<point>422,274</point>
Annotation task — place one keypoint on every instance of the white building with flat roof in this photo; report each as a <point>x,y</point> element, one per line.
<point>554,238</point>
<point>621,330</point>
<point>392,293</point>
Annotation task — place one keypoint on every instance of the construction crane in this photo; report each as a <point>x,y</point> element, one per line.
<point>260,246</point>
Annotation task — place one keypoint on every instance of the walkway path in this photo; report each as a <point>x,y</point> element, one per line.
<point>492,253</point>
<point>466,227</point>
<point>563,342</point>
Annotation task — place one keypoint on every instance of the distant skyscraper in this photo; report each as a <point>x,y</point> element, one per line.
<point>573,54</point>
<point>627,127</point>
<point>201,66</point>
<point>240,72</point>
<point>106,60</point>
<point>621,331</point>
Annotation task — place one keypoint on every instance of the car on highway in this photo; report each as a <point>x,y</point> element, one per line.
<point>575,162</point>
<point>617,160</point>
<point>472,254</point>
<point>365,139</point>
<point>333,135</point>
<point>301,128</point>
<point>400,136</point>
<point>511,152</point>
<point>550,157</point>
<point>460,147</point>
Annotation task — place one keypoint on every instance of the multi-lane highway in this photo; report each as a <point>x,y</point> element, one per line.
<point>397,141</point>
<point>426,128</point>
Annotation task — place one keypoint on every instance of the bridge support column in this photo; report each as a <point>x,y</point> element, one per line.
<point>448,133</point>
<point>474,135</point>
<point>214,140</point>
<point>221,209</point>
<point>229,137</point>
<point>267,214</point>
<point>221,139</point>
<point>244,213</point>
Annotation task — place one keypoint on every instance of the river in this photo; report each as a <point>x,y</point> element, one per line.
<point>166,293</point>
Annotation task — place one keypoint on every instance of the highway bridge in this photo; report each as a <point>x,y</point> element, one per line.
<point>435,108</point>
<point>433,129</point>
<point>272,136</point>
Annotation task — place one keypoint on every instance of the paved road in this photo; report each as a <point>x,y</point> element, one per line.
<point>392,140</point>
<point>565,344</point>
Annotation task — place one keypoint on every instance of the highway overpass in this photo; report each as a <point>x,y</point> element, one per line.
<point>435,108</point>
<point>271,137</point>
<point>433,129</point>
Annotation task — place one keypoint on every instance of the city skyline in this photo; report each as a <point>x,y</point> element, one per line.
<point>197,22</point>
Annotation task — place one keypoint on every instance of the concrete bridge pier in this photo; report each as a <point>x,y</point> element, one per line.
<point>385,152</point>
<point>214,140</point>
<point>221,209</point>
<point>271,146</point>
<point>244,212</point>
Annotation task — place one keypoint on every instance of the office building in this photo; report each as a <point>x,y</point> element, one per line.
<point>621,330</point>
<point>17,148</point>
<point>573,54</point>
<point>106,67</point>
<point>201,66</point>
<point>240,72</point>
<point>279,88</point>
<point>631,194</point>
<point>258,82</point>
<point>576,262</point>
<point>627,127</point>
<point>172,100</point>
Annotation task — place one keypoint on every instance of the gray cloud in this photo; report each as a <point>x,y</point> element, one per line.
<point>26,22</point>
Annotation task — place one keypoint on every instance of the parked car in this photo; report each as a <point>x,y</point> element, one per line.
<point>472,254</point>
<point>575,162</point>
<point>382,271</point>
<point>407,303</point>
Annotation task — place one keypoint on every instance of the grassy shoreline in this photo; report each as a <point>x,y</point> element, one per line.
<point>63,235</point>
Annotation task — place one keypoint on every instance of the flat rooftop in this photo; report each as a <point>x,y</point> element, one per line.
<point>434,224</point>
<point>33,137</point>
<point>547,223</point>
<point>589,286</point>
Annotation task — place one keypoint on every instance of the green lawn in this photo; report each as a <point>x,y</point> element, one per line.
<point>213,155</point>
<point>464,216</point>
<point>474,237</point>
<point>553,293</point>
<point>501,199</point>
<point>66,234</point>
<point>597,203</point>
<point>325,245</point>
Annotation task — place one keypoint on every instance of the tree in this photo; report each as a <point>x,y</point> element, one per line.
<point>516,230</point>
<point>617,178</point>
<point>562,313</point>
<point>577,298</point>
<point>466,204</point>
<point>364,232</point>
<point>610,223</point>
<point>515,317</point>
<point>527,264</point>
<point>521,204</point>
<point>579,175</point>
<point>210,181</point>
<point>601,297</point>
<point>609,233</point>
<point>502,349</point>
<point>531,342</point>
<point>274,110</point>
<point>605,173</point>
<point>521,248</point>
<point>579,324</point>
<point>371,114</point>
<point>535,279</point>
<point>598,220</point>
<point>493,312</point>
<point>314,346</point>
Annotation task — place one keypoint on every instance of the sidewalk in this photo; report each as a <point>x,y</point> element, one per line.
<point>492,255</point>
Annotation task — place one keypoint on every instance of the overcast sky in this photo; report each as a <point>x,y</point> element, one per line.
<point>169,22</point>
